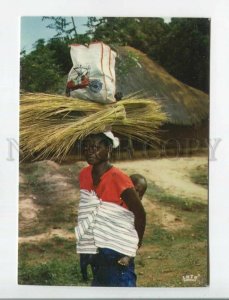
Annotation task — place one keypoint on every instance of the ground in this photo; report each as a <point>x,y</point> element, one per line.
<point>175,243</point>
<point>172,174</point>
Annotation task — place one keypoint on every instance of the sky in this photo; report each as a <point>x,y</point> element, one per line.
<point>33,28</point>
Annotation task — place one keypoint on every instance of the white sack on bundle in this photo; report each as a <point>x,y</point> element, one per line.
<point>92,76</point>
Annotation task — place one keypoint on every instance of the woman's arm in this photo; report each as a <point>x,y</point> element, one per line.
<point>134,204</point>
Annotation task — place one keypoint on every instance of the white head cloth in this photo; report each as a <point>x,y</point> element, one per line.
<point>114,139</point>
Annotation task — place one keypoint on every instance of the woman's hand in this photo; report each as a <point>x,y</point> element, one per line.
<point>124,261</point>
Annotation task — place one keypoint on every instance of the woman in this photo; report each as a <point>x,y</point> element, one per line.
<point>111,218</point>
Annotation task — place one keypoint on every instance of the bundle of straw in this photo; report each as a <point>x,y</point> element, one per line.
<point>51,124</point>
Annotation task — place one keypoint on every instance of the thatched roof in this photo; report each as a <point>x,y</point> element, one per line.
<point>184,104</point>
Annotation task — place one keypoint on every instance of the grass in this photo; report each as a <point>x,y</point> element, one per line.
<point>199,175</point>
<point>49,263</point>
<point>166,266</point>
<point>165,257</point>
<point>168,255</point>
<point>178,202</point>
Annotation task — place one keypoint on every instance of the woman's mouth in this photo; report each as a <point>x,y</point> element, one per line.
<point>90,158</point>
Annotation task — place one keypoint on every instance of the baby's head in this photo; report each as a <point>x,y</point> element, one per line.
<point>140,184</point>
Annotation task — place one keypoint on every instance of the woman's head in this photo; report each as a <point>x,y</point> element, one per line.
<point>97,148</point>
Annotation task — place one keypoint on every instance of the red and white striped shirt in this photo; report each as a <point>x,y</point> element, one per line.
<point>104,220</point>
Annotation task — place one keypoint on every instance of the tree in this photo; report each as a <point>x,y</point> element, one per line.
<point>181,47</point>
<point>141,33</point>
<point>66,30</point>
<point>185,51</point>
<point>39,72</point>
<point>63,27</point>
<point>60,53</point>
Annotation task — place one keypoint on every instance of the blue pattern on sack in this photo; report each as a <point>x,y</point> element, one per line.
<point>95,86</point>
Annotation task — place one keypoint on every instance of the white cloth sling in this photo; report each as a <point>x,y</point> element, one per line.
<point>104,225</point>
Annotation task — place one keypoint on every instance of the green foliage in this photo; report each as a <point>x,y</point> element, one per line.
<point>188,43</point>
<point>140,33</point>
<point>60,51</point>
<point>123,66</point>
<point>182,47</point>
<point>39,71</point>
<point>46,67</point>
<point>199,175</point>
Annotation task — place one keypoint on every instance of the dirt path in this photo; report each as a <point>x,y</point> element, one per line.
<point>170,174</point>
<point>47,235</point>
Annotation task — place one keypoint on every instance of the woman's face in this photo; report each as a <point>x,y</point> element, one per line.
<point>95,151</point>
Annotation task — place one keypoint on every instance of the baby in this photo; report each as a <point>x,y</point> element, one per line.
<point>140,185</point>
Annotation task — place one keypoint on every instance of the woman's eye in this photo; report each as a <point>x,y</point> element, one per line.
<point>94,148</point>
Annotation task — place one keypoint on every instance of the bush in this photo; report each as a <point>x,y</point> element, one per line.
<point>199,175</point>
<point>39,71</point>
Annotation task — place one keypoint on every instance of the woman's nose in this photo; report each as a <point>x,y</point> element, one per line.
<point>91,149</point>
